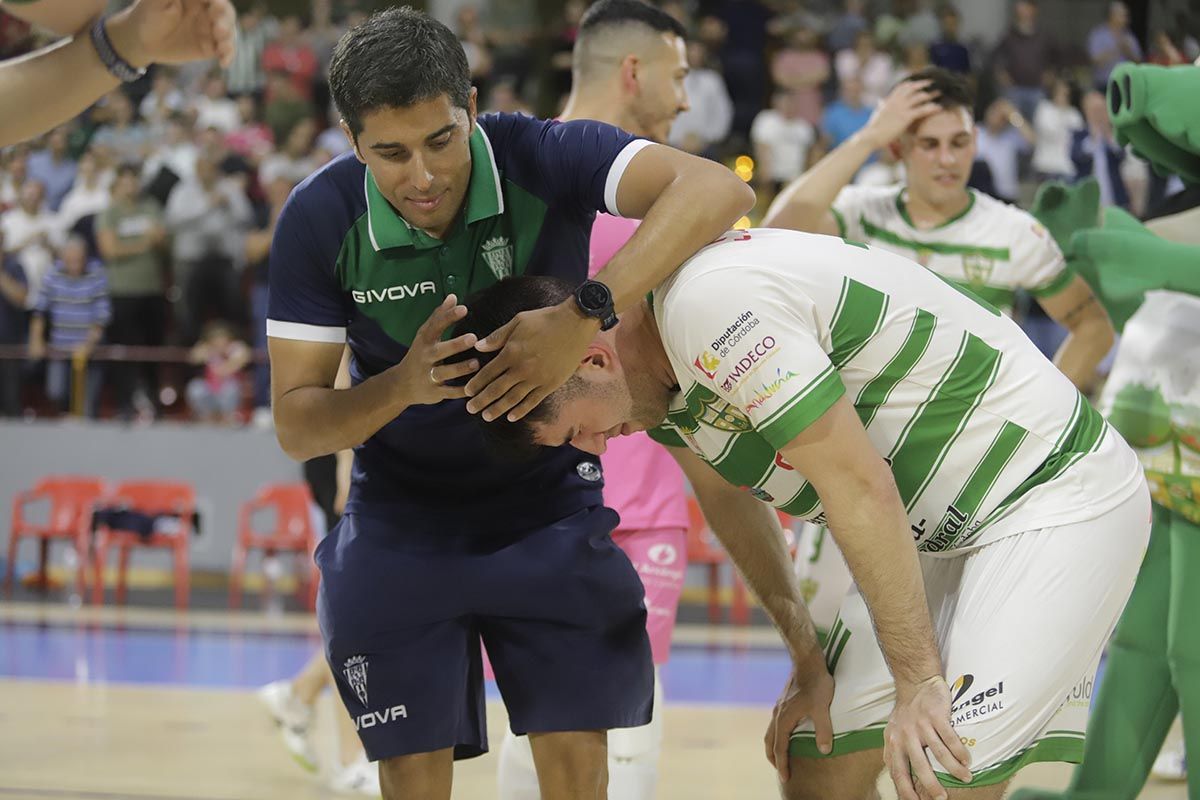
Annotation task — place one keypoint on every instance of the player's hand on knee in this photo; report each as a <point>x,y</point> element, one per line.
<point>807,695</point>
<point>539,351</point>
<point>427,375</point>
<point>920,720</point>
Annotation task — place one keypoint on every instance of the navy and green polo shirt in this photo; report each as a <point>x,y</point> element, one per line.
<point>345,266</point>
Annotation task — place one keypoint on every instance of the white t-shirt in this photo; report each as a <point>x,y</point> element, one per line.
<point>221,113</point>
<point>1001,151</point>
<point>766,329</point>
<point>991,249</point>
<point>786,141</point>
<point>35,258</point>
<point>1054,126</point>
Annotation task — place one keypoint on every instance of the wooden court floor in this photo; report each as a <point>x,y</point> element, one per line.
<point>102,742</point>
<point>80,737</point>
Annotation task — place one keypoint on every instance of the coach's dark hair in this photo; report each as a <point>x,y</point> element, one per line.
<point>950,88</point>
<point>493,308</point>
<point>622,12</point>
<point>396,58</point>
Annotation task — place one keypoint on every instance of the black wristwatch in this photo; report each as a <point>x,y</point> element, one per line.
<point>117,66</point>
<point>595,300</point>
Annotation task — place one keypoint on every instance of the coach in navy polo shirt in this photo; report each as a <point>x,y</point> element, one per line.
<point>441,545</point>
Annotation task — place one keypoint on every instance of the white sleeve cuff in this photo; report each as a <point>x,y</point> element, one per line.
<point>305,333</point>
<point>617,170</point>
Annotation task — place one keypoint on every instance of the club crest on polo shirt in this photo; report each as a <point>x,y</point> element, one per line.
<point>589,471</point>
<point>498,254</point>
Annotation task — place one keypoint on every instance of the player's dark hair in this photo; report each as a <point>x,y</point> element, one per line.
<point>950,88</point>
<point>493,308</point>
<point>623,12</point>
<point>396,58</point>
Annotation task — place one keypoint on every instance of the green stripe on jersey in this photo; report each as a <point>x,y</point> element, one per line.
<point>941,419</point>
<point>804,503</point>
<point>858,317</point>
<point>877,390</point>
<point>745,460</point>
<point>1083,434</point>
<point>994,297</point>
<point>803,410</point>
<point>970,498</point>
<point>666,436</point>
<point>944,248</point>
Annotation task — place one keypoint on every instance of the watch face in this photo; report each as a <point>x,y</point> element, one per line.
<point>593,296</point>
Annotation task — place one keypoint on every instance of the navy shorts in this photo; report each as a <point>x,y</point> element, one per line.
<point>561,610</point>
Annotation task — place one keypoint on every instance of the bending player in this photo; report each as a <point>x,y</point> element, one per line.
<point>440,544</point>
<point>975,241</point>
<point>629,66</point>
<point>957,469</point>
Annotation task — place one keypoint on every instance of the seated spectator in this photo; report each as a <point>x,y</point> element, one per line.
<point>172,159</point>
<point>252,138</point>
<point>873,68</point>
<point>802,68</point>
<point>1055,123</point>
<point>1111,43</point>
<point>123,135</point>
<point>706,122</point>
<point>89,196</point>
<point>164,99</point>
<point>215,396</point>
<point>53,167</point>
<point>214,108</point>
<point>1097,154</point>
<point>845,116</point>
<point>14,171</point>
<point>13,291</point>
<point>206,217</point>
<point>295,160</point>
<point>291,55</point>
<point>286,106</point>
<point>782,140</point>
<point>844,30</point>
<point>73,303</point>
<point>1000,141</point>
<point>916,58</point>
<point>948,52</point>
<point>31,233</point>
<point>131,236</point>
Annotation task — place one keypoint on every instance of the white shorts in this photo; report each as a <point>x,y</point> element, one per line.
<point>1020,624</point>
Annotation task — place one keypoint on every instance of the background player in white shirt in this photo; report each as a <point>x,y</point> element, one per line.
<point>973,240</point>
<point>958,472</point>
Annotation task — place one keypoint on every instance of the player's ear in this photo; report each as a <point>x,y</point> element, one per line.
<point>472,109</point>
<point>350,137</point>
<point>629,73</point>
<point>597,358</point>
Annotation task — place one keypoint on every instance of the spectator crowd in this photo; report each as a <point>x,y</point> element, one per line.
<point>147,220</point>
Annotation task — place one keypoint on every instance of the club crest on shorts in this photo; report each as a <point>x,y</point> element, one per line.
<point>589,471</point>
<point>498,254</point>
<point>356,675</point>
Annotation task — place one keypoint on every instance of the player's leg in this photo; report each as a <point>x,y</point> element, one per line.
<point>1136,703</point>
<point>290,703</point>
<point>403,650</point>
<point>846,777</point>
<point>571,765</point>
<point>565,629</point>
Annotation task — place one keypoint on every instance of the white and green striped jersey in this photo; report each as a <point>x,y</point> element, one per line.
<point>991,248</point>
<point>766,329</point>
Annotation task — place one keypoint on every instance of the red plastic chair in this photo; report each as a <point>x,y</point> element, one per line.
<point>148,497</point>
<point>292,533</point>
<point>71,500</point>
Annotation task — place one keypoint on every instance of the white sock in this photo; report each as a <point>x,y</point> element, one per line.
<point>516,776</point>
<point>633,755</point>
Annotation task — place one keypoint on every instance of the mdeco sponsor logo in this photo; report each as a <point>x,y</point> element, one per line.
<point>723,344</point>
<point>745,364</point>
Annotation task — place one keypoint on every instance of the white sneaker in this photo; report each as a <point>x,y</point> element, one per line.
<point>294,719</point>
<point>1170,765</point>
<point>357,777</point>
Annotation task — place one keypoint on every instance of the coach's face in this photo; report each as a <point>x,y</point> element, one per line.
<point>420,158</point>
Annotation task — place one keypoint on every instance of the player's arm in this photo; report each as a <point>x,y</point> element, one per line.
<point>56,16</point>
<point>1090,331</point>
<point>54,84</point>
<point>751,534</point>
<point>870,525</point>
<point>684,202</point>
<point>806,203</point>
<point>313,418</point>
